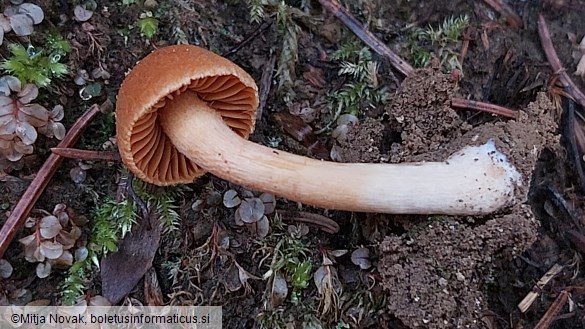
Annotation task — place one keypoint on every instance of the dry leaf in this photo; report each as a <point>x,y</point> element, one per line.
<point>50,227</point>
<point>51,250</point>
<point>361,258</point>
<point>232,280</point>
<point>82,14</point>
<point>315,76</point>
<point>231,199</point>
<point>251,210</point>
<point>99,300</point>
<point>81,254</point>
<point>43,270</point>
<point>65,260</point>
<point>5,269</point>
<point>269,202</point>
<point>260,228</point>
<point>33,11</point>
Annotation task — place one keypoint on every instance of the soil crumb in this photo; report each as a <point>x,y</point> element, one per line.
<point>361,143</point>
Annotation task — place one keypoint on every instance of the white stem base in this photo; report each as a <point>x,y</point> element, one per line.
<point>477,180</point>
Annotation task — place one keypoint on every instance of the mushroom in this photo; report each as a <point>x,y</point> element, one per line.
<point>183,111</point>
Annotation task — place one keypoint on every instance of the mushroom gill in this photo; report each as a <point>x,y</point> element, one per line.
<point>154,153</point>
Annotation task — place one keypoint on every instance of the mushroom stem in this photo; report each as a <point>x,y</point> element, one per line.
<point>477,180</point>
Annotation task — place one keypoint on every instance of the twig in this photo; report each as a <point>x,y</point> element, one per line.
<point>366,36</point>
<point>265,86</point>
<point>569,126</point>
<point>325,224</point>
<point>38,184</point>
<point>485,107</point>
<point>554,309</point>
<point>248,39</point>
<point>465,45</point>
<point>88,155</point>
<point>555,63</point>
<point>511,17</point>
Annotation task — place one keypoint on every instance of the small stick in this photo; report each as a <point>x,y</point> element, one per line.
<point>366,36</point>
<point>266,84</point>
<point>525,304</point>
<point>511,17</point>
<point>568,130</point>
<point>248,39</point>
<point>555,63</point>
<point>485,107</point>
<point>325,224</point>
<point>88,155</point>
<point>464,45</point>
<point>38,184</point>
<point>554,309</point>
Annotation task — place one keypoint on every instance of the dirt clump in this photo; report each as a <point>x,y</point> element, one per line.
<point>521,140</point>
<point>421,114</point>
<point>442,263</point>
<point>434,277</point>
<point>361,143</point>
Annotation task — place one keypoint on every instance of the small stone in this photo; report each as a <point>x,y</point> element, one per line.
<point>460,276</point>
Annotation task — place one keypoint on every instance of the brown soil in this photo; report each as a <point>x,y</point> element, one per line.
<point>362,142</point>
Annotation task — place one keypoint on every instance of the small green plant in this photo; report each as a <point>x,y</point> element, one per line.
<point>163,202</point>
<point>442,39</point>
<point>112,220</point>
<point>290,259</point>
<point>300,279</point>
<point>257,11</point>
<point>38,66</point>
<point>289,31</point>
<point>147,24</point>
<point>363,89</point>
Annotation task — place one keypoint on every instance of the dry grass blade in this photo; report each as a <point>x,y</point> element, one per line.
<point>555,63</point>
<point>484,107</point>
<point>32,193</point>
<point>366,36</point>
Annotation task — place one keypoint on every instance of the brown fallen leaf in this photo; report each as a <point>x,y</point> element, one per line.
<point>121,271</point>
<point>302,133</point>
<point>315,76</point>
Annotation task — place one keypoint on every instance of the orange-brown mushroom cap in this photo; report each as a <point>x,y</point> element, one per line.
<point>166,73</point>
